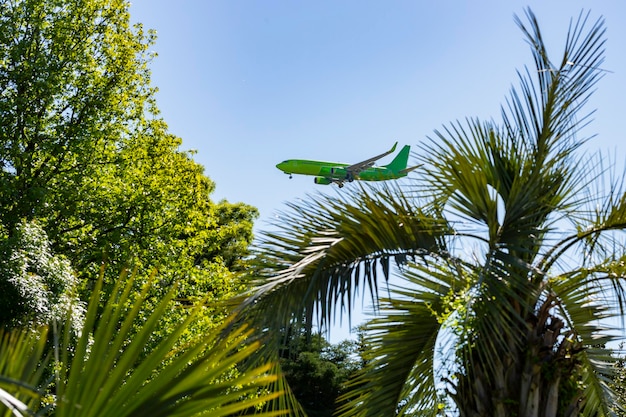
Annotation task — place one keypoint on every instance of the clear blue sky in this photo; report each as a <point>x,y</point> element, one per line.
<point>251,83</point>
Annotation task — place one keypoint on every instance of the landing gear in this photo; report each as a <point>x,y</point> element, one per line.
<point>340,184</point>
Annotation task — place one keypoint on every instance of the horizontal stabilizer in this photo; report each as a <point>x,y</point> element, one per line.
<point>407,170</point>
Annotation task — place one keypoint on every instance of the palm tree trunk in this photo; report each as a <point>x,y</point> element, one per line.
<point>552,402</point>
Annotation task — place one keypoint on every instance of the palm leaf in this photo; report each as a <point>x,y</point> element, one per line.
<point>107,377</point>
<point>331,246</point>
<point>22,366</point>
<point>583,304</point>
<point>15,406</point>
<point>400,376</point>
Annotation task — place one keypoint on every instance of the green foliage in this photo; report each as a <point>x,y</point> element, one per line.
<point>509,253</point>
<point>36,287</point>
<point>318,371</point>
<point>84,153</point>
<point>23,364</point>
<point>618,383</point>
<point>86,158</point>
<point>108,373</point>
<point>73,78</point>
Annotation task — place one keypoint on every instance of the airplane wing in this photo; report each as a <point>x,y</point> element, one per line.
<point>360,166</point>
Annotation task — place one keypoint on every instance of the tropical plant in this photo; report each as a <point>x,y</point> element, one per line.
<point>23,365</point>
<point>107,371</point>
<point>509,257</point>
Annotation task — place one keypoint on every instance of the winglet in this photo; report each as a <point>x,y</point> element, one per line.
<point>393,148</point>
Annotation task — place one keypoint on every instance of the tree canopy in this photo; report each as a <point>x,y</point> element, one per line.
<point>84,152</point>
<point>317,371</point>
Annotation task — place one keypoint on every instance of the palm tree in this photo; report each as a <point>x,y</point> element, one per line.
<point>505,252</point>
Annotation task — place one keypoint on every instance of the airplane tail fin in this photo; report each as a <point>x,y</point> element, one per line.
<point>399,162</point>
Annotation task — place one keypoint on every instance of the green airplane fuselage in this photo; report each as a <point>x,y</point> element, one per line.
<point>335,172</point>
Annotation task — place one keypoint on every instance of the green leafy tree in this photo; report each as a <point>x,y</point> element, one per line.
<point>317,371</point>
<point>510,257</point>
<point>84,153</point>
<point>73,77</point>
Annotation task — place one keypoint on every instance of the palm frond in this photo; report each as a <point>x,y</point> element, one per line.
<point>328,248</point>
<point>15,406</point>
<point>399,376</point>
<point>548,116</point>
<point>107,377</point>
<point>288,400</point>
<point>528,162</point>
<point>23,363</point>
<point>595,238</point>
<point>583,304</point>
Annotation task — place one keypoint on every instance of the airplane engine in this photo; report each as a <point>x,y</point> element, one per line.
<point>322,180</point>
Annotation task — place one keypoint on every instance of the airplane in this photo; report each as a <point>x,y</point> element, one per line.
<point>333,172</point>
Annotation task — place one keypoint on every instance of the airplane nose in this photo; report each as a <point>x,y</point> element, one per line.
<point>281,166</point>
